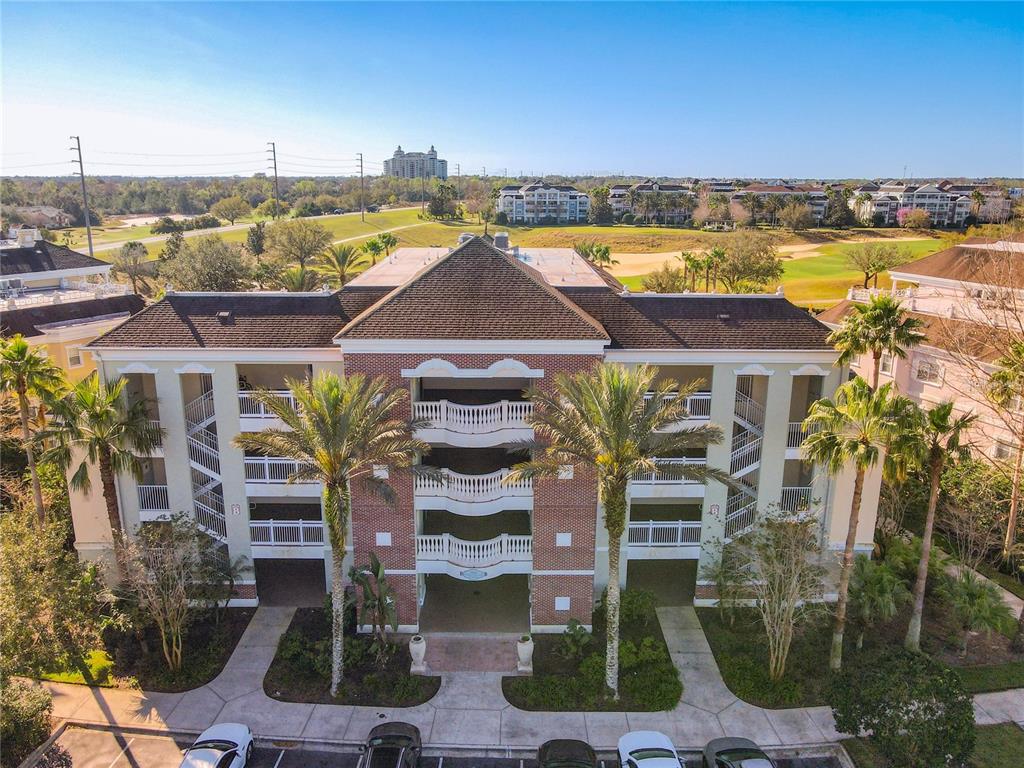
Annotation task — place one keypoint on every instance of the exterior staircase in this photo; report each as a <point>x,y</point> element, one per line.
<point>204,460</point>
<point>741,506</point>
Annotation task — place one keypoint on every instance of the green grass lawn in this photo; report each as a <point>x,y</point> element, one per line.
<point>998,746</point>
<point>98,671</point>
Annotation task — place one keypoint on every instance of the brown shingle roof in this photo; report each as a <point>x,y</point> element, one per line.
<point>28,320</point>
<point>701,322</point>
<point>43,257</point>
<point>965,264</point>
<point>475,292</point>
<point>256,320</point>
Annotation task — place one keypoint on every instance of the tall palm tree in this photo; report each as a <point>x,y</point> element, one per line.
<point>26,373</point>
<point>297,279</point>
<point>752,203</point>
<point>1006,390</point>
<point>879,326</point>
<point>601,419</point>
<point>374,248</point>
<point>340,263</point>
<point>387,241</point>
<point>772,204</point>
<point>694,264</point>
<point>977,201</point>
<point>339,428</point>
<point>854,428</point>
<point>94,424</point>
<point>863,199</point>
<point>713,260</point>
<point>941,437</point>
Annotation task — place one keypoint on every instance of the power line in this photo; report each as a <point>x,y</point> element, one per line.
<point>35,165</point>
<point>177,154</point>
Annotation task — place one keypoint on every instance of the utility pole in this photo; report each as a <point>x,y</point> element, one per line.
<point>277,189</point>
<point>485,171</point>
<point>423,191</point>
<point>458,181</point>
<point>362,205</point>
<point>85,195</point>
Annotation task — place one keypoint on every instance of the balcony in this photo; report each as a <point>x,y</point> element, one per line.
<point>474,560</point>
<point>698,405</point>
<point>254,416</point>
<point>667,481</point>
<point>303,538</point>
<point>666,537</point>
<point>472,495</point>
<point>474,426</point>
<point>795,498</point>
<point>269,475</point>
<point>153,499</point>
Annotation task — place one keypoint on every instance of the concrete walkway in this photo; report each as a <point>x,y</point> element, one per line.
<point>469,711</point>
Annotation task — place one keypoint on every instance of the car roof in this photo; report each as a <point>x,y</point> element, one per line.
<point>645,740</point>
<point>234,732</point>
<point>395,728</point>
<point>564,750</point>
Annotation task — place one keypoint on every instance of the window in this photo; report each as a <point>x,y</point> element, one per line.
<point>1003,450</point>
<point>929,372</point>
<point>885,364</point>
<point>74,357</point>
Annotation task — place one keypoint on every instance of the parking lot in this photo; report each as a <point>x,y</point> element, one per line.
<point>95,748</point>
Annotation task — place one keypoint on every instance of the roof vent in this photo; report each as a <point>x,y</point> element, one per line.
<point>224,315</point>
<point>465,237</point>
<point>724,316</point>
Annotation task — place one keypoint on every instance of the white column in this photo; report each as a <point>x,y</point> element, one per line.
<point>171,407</point>
<point>723,395</point>
<point>232,471</point>
<point>773,444</point>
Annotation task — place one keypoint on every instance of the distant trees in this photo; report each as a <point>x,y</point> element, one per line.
<point>172,246</point>
<point>913,218</point>
<point>442,201</point>
<point>373,248</point>
<point>207,263</point>
<point>256,239</point>
<point>595,252</point>
<point>838,212</point>
<point>131,260</point>
<point>600,208</point>
<point>297,241</point>
<point>297,279</point>
<point>795,216</point>
<point>231,208</point>
<point>875,258</point>
<point>388,241</point>
<point>340,263</point>
<point>751,258</point>
<point>666,279</point>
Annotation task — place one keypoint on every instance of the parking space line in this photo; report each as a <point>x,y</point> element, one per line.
<point>123,750</point>
<point>278,761</point>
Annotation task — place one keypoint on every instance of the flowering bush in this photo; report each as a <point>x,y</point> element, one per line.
<point>913,218</point>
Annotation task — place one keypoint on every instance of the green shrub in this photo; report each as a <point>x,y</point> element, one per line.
<point>915,709</point>
<point>649,652</point>
<point>749,680</point>
<point>653,686</point>
<point>627,218</point>
<point>575,641</point>
<point>24,720</point>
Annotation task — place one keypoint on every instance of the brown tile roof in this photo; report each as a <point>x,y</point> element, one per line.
<point>29,320</point>
<point>965,264</point>
<point>701,322</point>
<point>43,257</point>
<point>982,342</point>
<point>475,292</point>
<point>256,320</point>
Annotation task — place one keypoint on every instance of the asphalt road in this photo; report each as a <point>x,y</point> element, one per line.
<point>95,748</point>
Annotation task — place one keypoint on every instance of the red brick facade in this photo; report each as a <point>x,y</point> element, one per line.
<point>560,506</point>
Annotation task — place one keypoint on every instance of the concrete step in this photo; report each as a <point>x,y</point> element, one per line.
<point>451,652</point>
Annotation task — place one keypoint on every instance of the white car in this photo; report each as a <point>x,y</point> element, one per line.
<point>647,749</point>
<point>228,745</point>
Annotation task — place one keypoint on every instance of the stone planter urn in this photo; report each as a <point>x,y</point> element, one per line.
<point>524,652</point>
<point>418,651</point>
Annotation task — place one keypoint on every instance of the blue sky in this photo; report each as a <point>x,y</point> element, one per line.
<point>797,90</point>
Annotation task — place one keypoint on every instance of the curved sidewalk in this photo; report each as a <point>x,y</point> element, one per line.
<point>470,711</point>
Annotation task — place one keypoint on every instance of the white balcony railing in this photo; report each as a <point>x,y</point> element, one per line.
<point>472,488</point>
<point>155,424</point>
<point>749,410</point>
<point>698,405</point>
<point>795,498</point>
<point>269,469</point>
<point>866,294</point>
<point>746,452</point>
<point>251,408</point>
<point>292,533</point>
<point>669,471</point>
<point>673,533</point>
<point>474,554</point>
<point>797,434</point>
<point>474,419</point>
<point>153,498</point>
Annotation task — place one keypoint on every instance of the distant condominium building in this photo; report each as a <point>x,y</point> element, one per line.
<point>543,203</point>
<point>658,201</point>
<point>948,204</point>
<point>416,165</point>
<point>815,197</point>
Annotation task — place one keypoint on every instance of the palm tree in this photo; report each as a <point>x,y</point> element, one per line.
<point>772,205</point>
<point>27,373</point>
<point>1006,390</point>
<point>752,203</point>
<point>341,263</point>
<point>940,437</point>
<point>863,199</point>
<point>95,425</point>
<point>719,203</point>
<point>876,594</point>
<point>714,259</point>
<point>388,241</point>
<point>879,326</point>
<point>339,428</point>
<point>601,419</point>
<point>978,605</point>
<point>694,264</point>
<point>297,279</point>
<point>977,201</point>
<point>854,428</point>
<point>374,247</point>
<point>633,196</point>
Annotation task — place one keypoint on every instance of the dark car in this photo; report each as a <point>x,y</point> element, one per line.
<point>735,753</point>
<point>566,753</point>
<point>372,208</point>
<point>392,745</point>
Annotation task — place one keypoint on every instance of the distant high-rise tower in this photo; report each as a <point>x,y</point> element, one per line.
<point>416,165</point>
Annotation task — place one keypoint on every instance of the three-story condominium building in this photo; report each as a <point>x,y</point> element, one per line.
<point>542,203</point>
<point>467,331</point>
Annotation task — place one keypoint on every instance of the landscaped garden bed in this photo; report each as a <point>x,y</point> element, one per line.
<point>132,659</point>
<point>569,669</point>
<point>997,746</point>
<point>301,670</point>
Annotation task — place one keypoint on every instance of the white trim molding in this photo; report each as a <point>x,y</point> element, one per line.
<point>194,368</point>
<point>810,370</point>
<point>754,369</point>
<point>218,354</point>
<point>711,356</point>
<point>137,368</point>
<point>473,346</point>
<point>501,369</point>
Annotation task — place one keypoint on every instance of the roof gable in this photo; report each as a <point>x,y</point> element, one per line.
<point>475,292</point>
<point>45,257</point>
